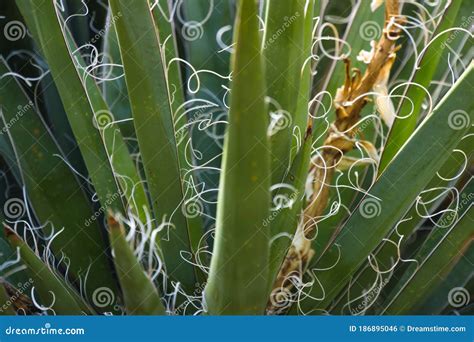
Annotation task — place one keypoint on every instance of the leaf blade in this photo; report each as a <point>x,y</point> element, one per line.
<point>238,285</point>
<point>397,175</point>
<point>154,126</point>
<point>140,295</point>
<point>63,204</point>
<point>403,127</point>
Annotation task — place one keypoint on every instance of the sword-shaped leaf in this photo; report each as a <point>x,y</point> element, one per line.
<point>411,171</point>
<point>238,279</point>
<point>139,294</point>
<point>153,120</point>
<point>53,190</point>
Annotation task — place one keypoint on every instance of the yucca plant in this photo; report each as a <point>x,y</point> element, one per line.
<point>318,162</point>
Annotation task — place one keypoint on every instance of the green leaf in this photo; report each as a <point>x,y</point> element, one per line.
<point>117,150</point>
<point>439,297</point>
<point>42,21</point>
<point>238,276</point>
<point>53,190</point>
<point>427,63</point>
<point>434,268</point>
<point>154,126</point>
<point>164,24</point>
<point>301,112</point>
<point>176,90</point>
<point>12,270</point>
<point>421,153</point>
<point>79,23</point>
<point>55,115</point>
<point>202,50</point>
<point>460,53</point>
<point>283,49</point>
<point>114,88</point>
<point>8,154</point>
<point>406,57</point>
<point>448,220</point>
<point>54,293</point>
<point>139,294</point>
<point>284,221</point>
<point>386,255</point>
